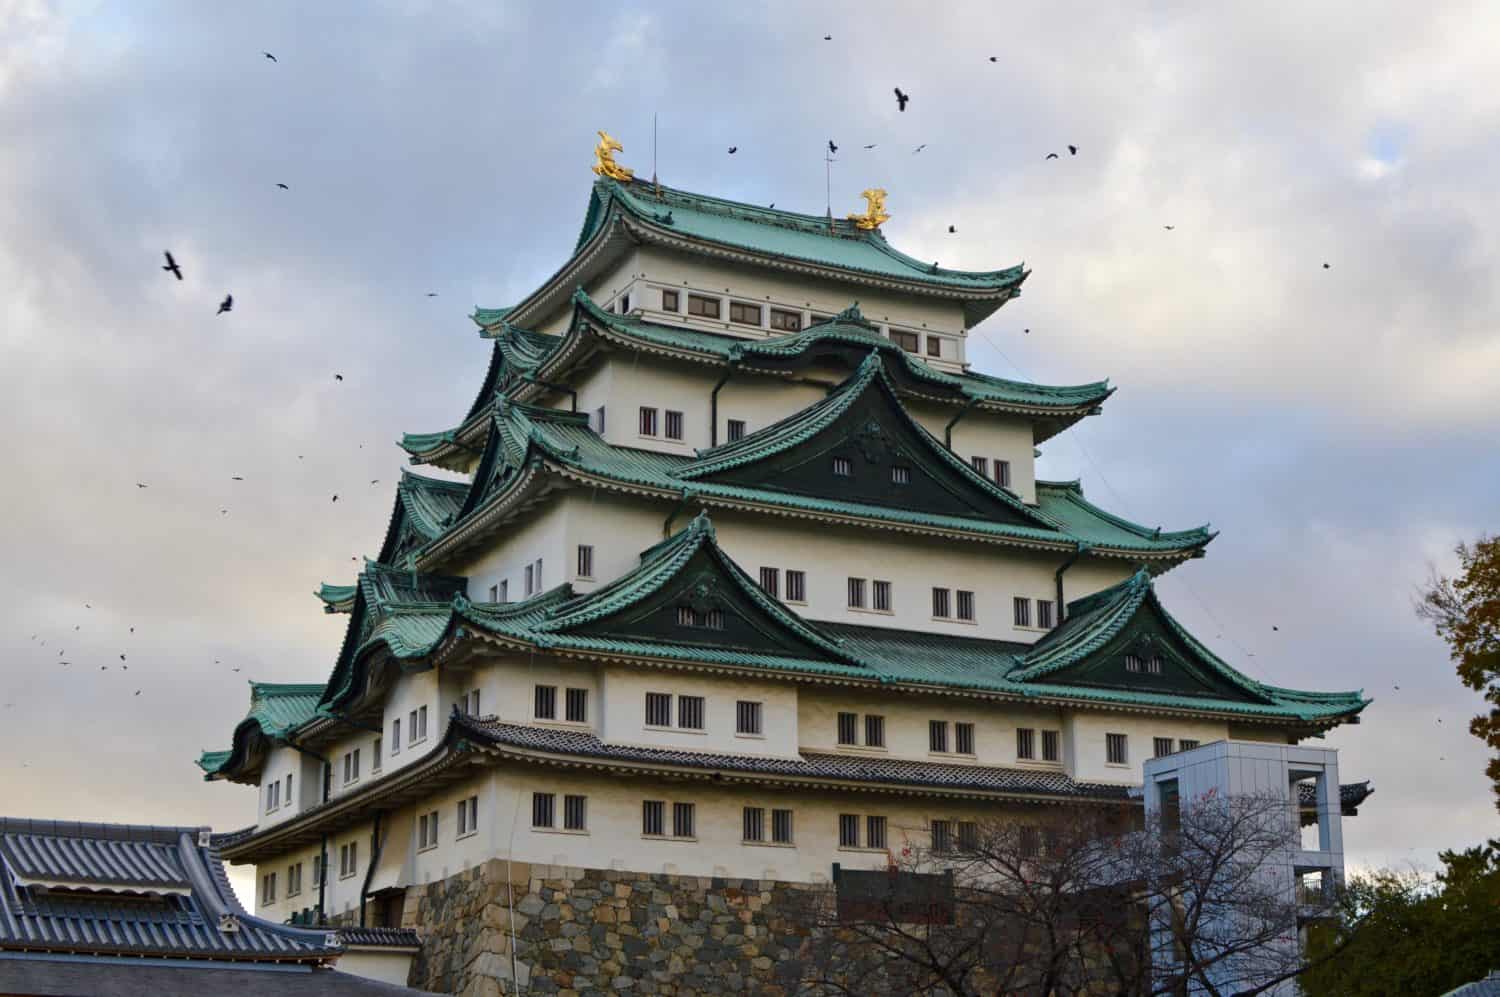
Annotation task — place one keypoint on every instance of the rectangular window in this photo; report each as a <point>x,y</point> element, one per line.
<point>848,830</point>
<point>317,870</point>
<point>1115,749</point>
<point>900,475</point>
<point>1030,843</point>
<point>781,827</point>
<point>596,420</point>
<point>658,709</point>
<point>981,466</point>
<point>1051,744</point>
<point>294,880</point>
<point>940,603</point>
<point>351,766</point>
<point>1025,743</point>
<point>289,775</point>
<point>736,430</point>
<point>577,706</point>
<point>965,605</point>
<point>1023,611</point>
<point>543,809</point>
<point>422,723</point>
<point>348,859</point>
<point>468,816</point>
<point>1161,746</point>
<point>856,593</point>
<point>770,582</point>
<point>687,616</point>
<point>753,824</point>
<point>396,736</point>
<point>545,702</point>
<point>874,730</point>
<point>785,321</point>
<point>575,812</point>
<point>653,817</point>
<point>505,590</point>
<point>908,341</point>
<point>848,728</point>
<point>934,346</point>
<point>881,592</point>
<point>1002,473</point>
<point>963,738</point>
<point>747,717</point>
<point>375,752</point>
<point>874,832</point>
<point>673,425</point>
<point>585,561</point>
<point>682,820</point>
<point>744,314</point>
<point>494,593</point>
<point>796,586</point>
<point>937,735</point>
<point>1044,613</point>
<point>669,301</point>
<point>968,836</point>
<point>842,467</point>
<point>427,830</point>
<point>268,888</point>
<point>703,307</point>
<point>648,421</point>
<point>624,304</point>
<point>1186,745</point>
<point>530,581</point>
<point>690,712</point>
<point>942,836</point>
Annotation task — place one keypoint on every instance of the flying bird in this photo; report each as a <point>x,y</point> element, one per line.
<point>122,657</point>
<point>1325,266</point>
<point>1275,627</point>
<point>140,485</point>
<point>283,186</point>
<point>432,294</point>
<point>1072,150</point>
<point>952,229</point>
<point>901,99</point>
<point>994,59</point>
<point>1026,332</point>
<point>226,305</point>
<point>871,146</point>
<point>1169,227</point>
<point>338,377</point>
<point>335,498</point>
<point>828,38</point>
<point>268,55</point>
<point>374,481</point>
<point>919,148</point>
<point>733,149</point>
<point>138,692</point>
<point>833,150</point>
<point>236,478</point>
<point>171,265</point>
<point>1051,155</point>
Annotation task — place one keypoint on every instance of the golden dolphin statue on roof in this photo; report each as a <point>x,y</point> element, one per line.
<point>604,159</point>
<point>874,211</point>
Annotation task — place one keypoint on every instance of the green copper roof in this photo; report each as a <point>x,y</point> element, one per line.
<point>784,234</point>
<point>425,508</point>
<point>276,709</point>
<point>212,761</point>
<point>1064,504</point>
<point>488,316</point>
<point>337,598</point>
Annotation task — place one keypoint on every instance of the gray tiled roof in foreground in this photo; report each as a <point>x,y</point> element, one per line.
<point>151,978</point>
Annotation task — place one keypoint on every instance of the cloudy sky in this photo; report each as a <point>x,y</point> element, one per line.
<point>1337,425</point>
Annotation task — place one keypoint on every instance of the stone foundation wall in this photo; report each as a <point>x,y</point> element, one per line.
<point>591,931</point>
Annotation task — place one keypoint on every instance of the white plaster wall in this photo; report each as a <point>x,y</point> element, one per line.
<point>347,739</point>
<point>373,964</point>
<point>281,761</point>
<point>507,684</point>
<point>341,894</point>
<point>1084,741</point>
<point>409,692</point>
<point>990,435</point>
<point>624,713</point>
<point>538,535</point>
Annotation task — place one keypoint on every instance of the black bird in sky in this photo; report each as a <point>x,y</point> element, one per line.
<point>338,377</point>
<point>1275,627</point>
<point>226,305</point>
<point>833,150</point>
<point>171,265</point>
<point>901,98</point>
<point>919,148</point>
<point>236,478</point>
<point>1051,155</point>
<point>138,692</point>
<point>268,55</point>
<point>828,38</point>
<point>994,59</point>
<point>952,229</point>
<point>1026,332</point>
<point>1325,266</point>
<point>283,186</point>
<point>733,149</point>
<point>870,146</point>
<point>1169,227</point>
<point>140,485</point>
<point>432,294</point>
<point>1072,150</point>
<point>335,498</point>
<point>374,481</point>
<point>122,657</point>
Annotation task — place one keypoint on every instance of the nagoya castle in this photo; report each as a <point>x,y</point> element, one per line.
<point>741,572</point>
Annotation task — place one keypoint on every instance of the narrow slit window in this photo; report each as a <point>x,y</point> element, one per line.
<point>683,820</point>
<point>753,824</point>
<point>981,465</point>
<point>848,728</point>
<point>1044,613</point>
<point>1025,743</point>
<point>648,421</point>
<point>658,709</point>
<point>843,467</point>
<point>934,346</point>
<point>900,475</point>
<point>1023,611</point>
<point>856,593</point>
<point>1051,745</point>
<point>781,827</point>
<point>690,712</point>
<point>653,817</point>
<point>874,730</point>
<point>575,813</point>
<point>1116,749</point>
<point>942,836</point>
<point>908,341</point>
<point>585,561</point>
<point>1002,473</point>
<point>747,718</point>
<point>736,430</point>
<point>669,301</point>
<point>963,738</point>
<point>849,831</point>
<point>546,702</point>
<point>874,832</point>
<point>1161,746</point>
<point>770,582</point>
<point>1186,744</point>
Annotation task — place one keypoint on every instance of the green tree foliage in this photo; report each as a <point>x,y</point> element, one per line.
<point>1465,612</point>
<point>1397,934</point>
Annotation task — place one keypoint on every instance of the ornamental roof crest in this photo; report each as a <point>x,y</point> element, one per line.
<point>874,215</point>
<point>604,159</point>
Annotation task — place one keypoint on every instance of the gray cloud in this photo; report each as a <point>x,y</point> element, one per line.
<point>1337,424</point>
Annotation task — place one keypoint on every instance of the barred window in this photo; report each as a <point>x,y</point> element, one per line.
<point>1161,746</point>
<point>781,827</point>
<point>934,346</point>
<point>796,586</point>
<point>874,832</point>
<point>965,605</point>
<point>856,593</point>
<point>848,727</point>
<point>874,730</point>
<point>942,836</point>
<point>268,888</point>
<point>546,702</point>
<point>754,824</point>
<point>596,420</point>
<point>658,709</point>
<point>669,301</point>
<point>543,809</point>
<point>744,314</point>
<point>505,590</point>
<point>1025,743</point>
<point>585,561</point>
<point>712,619</point>
<point>941,599</point>
<point>703,307</point>
<point>908,341</point>
<point>900,475</point>
<point>1030,840</point>
<point>786,321</point>
<point>494,593</point>
<point>396,736</point>
<point>575,812</point>
<point>843,467</point>
<point>1044,613</point>
<point>1023,611</point>
<point>937,735</point>
<point>1133,663</point>
<point>963,738</point>
<point>682,820</point>
<point>981,466</point>
<point>1051,741</point>
<point>673,425</point>
<point>690,712</point>
<point>736,430</point>
<point>530,580</point>
<point>1186,744</point>
<point>653,816</point>
<point>1153,665</point>
<point>648,421</point>
<point>770,582</point>
<point>624,304</point>
<point>1116,751</point>
<point>747,717</point>
<point>1002,473</point>
<point>576,706</point>
<point>848,830</point>
<point>968,836</point>
<point>881,593</point>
